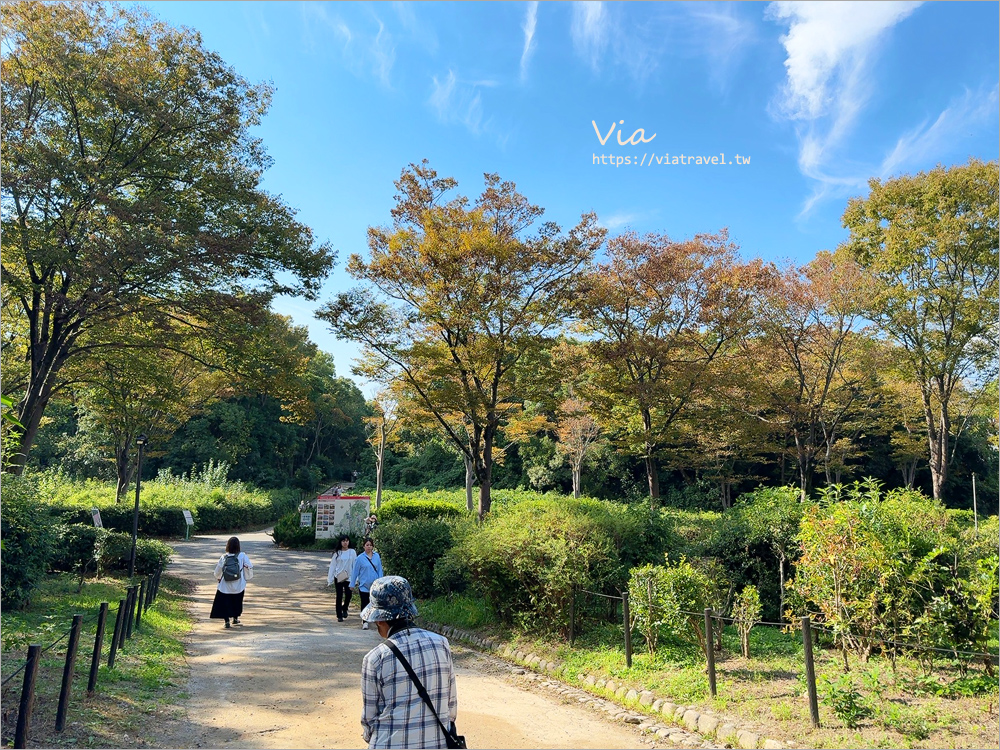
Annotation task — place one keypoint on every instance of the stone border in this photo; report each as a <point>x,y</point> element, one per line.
<point>685,725</point>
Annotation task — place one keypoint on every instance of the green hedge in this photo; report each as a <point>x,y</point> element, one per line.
<point>411,508</point>
<point>410,547</point>
<point>28,533</point>
<point>227,506</point>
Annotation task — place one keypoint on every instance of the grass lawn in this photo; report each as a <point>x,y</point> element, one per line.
<point>146,682</point>
<point>873,705</point>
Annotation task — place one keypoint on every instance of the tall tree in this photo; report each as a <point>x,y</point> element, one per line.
<point>660,313</point>
<point>468,298</point>
<point>930,243</point>
<point>131,187</point>
<point>579,436</point>
<point>379,427</point>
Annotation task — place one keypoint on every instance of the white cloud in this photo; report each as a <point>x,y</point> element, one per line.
<point>590,30</point>
<point>530,19</point>
<point>829,49</point>
<point>923,142</point>
<point>620,219</point>
<point>457,102</point>
<point>367,51</point>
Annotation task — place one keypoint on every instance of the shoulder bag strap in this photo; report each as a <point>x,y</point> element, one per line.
<point>372,563</point>
<point>417,684</point>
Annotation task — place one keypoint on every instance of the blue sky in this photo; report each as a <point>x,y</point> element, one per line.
<point>819,96</point>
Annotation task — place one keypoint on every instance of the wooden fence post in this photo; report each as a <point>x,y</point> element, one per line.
<point>628,630</point>
<point>129,612</point>
<point>117,635</point>
<point>710,651</point>
<point>140,600</point>
<point>572,613</point>
<point>27,697</point>
<point>95,663</point>
<point>67,680</point>
<point>810,671</point>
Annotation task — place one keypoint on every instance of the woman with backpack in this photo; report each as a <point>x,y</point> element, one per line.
<point>341,565</point>
<point>232,571</point>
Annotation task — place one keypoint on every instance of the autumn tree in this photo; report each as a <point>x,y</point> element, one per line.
<point>465,299</point>
<point>812,354</point>
<point>929,243</point>
<point>379,427</point>
<point>131,188</point>
<point>579,436</point>
<point>659,313</point>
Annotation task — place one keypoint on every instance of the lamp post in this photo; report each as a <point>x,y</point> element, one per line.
<point>141,442</point>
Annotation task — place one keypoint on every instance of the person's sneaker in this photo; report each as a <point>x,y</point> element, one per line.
<point>227,624</point>
<point>236,621</point>
<point>364,626</point>
<point>340,619</point>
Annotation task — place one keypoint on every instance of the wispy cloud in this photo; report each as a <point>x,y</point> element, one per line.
<point>969,111</point>
<point>590,31</point>
<point>620,219</point>
<point>458,102</point>
<point>368,50</point>
<point>530,19</point>
<point>829,50</point>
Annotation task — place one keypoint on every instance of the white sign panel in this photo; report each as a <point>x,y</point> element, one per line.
<point>96,514</point>
<point>305,520</point>
<point>343,514</point>
<point>188,518</point>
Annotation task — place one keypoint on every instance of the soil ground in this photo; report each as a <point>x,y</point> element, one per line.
<point>289,676</point>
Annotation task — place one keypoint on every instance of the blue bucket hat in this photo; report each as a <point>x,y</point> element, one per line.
<point>391,599</point>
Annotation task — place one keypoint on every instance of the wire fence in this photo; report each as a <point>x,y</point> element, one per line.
<point>138,599</point>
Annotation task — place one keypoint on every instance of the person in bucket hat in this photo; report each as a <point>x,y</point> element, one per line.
<point>393,713</point>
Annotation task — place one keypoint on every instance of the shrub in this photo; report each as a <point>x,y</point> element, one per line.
<point>28,533</point>
<point>746,614</point>
<point>417,508</point>
<point>451,576</point>
<point>526,558</point>
<point>669,599</point>
<point>114,548</point>
<point>411,547</point>
<point>76,549</point>
<point>288,531</point>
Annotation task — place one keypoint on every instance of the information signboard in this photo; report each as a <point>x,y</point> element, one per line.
<point>96,515</point>
<point>341,514</point>
<point>305,520</point>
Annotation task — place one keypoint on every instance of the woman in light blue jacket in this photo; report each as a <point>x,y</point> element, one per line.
<point>367,568</point>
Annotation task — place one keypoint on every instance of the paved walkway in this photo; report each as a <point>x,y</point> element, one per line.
<point>289,676</point>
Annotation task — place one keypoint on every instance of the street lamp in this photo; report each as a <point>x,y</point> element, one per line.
<point>141,442</point>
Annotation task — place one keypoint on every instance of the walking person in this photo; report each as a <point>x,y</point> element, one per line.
<point>341,566</point>
<point>367,568</point>
<point>232,571</point>
<point>395,711</point>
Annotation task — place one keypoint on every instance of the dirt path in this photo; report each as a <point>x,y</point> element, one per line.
<point>289,676</point>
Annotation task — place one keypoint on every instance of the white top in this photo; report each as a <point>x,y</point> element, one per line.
<point>234,587</point>
<point>342,560</point>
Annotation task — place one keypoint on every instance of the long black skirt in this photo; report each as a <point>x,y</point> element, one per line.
<point>227,606</point>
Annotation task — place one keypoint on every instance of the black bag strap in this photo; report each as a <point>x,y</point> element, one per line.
<point>419,686</point>
<point>372,563</point>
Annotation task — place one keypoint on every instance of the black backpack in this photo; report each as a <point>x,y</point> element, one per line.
<point>231,568</point>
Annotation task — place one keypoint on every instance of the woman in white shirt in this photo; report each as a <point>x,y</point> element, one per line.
<point>228,602</point>
<point>341,565</point>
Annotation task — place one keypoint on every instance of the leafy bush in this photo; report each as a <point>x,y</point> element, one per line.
<point>746,614</point>
<point>28,533</point>
<point>288,531</point>
<point>76,549</point>
<point>115,547</point>
<point>417,508</point>
<point>668,599</point>
<point>846,701</point>
<point>526,558</point>
<point>451,576</point>
<point>411,547</point>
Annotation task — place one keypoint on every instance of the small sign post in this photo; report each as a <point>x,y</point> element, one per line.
<point>96,515</point>
<point>188,523</point>
<point>305,520</point>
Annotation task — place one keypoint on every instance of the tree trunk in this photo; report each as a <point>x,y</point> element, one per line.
<point>576,479</point>
<point>379,463</point>
<point>122,470</point>
<point>652,474</point>
<point>470,479</point>
<point>937,438</point>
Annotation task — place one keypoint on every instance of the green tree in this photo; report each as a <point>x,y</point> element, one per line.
<point>131,188</point>
<point>930,243</point>
<point>476,299</point>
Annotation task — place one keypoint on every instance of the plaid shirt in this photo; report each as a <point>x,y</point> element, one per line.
<point>394,715</point>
